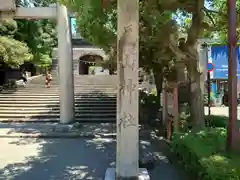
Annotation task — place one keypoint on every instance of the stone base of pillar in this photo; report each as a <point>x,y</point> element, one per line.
<point>111,175</point>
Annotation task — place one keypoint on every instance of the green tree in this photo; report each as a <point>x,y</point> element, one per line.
<point>162,40</point>
<point>44,61</point>
<point>8,27</point>
<point>198,19</point>
<point>40,35</point>
<point>12,52</point>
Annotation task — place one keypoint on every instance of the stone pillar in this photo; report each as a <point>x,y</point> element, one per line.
<point>127,102</point>
<point>75,66</point>
<point>8,5</point>
<point>65,66</point>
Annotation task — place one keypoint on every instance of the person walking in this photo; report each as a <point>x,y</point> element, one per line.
<point>24,77</point>
<point>48,79</point>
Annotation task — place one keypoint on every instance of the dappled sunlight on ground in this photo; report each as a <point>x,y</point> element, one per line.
<point>16,154</point>
<point>77,158</point>
<point>56,130</point>
<point>55,159</point>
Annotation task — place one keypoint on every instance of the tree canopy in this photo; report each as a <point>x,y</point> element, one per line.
<point>169,34</point>
<point>13,52</point>
<point>27,40</point>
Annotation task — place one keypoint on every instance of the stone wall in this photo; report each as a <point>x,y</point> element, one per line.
<point>79,52</point>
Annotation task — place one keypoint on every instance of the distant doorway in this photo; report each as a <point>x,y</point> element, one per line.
<point>83,68</point>
<point>87,62</point>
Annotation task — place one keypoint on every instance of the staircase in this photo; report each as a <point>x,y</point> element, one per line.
<point>75,66</point>
<point>95,101</point>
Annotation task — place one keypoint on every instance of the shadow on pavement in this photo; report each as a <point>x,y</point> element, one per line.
<point>79,158</point>
<point>58,159</point>
<point>74,158</point>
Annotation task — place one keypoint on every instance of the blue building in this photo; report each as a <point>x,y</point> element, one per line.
<point>218,55</point>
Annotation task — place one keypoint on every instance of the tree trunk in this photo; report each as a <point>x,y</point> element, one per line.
<point>196,100</point>
<point>158,78</point>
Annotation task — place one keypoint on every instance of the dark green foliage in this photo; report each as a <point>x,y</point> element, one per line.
<point>216,121</point>
<point>13,52</point>
<point>10,85</point>
<point>203,155</point>
<point>40,36</point>
<point>147,107</point>
<point>27,40</point>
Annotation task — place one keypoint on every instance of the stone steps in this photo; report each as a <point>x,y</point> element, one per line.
<point>54,111</point>
<point>77,91</point>
<point>56,115</point>
<point>81,102</point>
<point>54,99</point>
<point>80,91</point>
<point>57,119</point>
<point>82,80</point>
<point>85,86</point>
<point>43,108</point>
<point>83,95</point>
<point>81,86</point>
<point>95,101</point>
<point>51,105</point>
<point>51,93</point>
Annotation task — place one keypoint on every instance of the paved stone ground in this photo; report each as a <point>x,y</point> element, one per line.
<point>222,111</point>
<point>85,157</point>
<point>83,152</point>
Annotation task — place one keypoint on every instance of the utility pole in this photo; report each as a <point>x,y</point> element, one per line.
<point>232,72</point>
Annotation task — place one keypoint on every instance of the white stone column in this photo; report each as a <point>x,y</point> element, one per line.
<point>65,65</point>
<point>127,112</point>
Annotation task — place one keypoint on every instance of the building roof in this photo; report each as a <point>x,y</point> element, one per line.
<point>80,48</point>
<point>80,42</point>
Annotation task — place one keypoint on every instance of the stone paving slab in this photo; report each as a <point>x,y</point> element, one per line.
<point>111,174</point>
<point>25,156</point>
<point>71,159</point>
<point>221,111</point>
<point>56,130</point>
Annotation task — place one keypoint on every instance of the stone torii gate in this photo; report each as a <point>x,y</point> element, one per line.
<point>8,9</point>
<point>127,167</point>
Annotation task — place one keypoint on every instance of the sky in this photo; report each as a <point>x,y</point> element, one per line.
<point>73,24</point>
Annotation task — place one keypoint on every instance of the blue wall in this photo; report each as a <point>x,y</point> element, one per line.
<point>214,88</point>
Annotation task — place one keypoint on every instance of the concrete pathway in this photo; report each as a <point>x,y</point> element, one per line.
<point>221,111</point>
<point>73,158</point>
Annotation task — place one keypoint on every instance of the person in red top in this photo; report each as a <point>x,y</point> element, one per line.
<point>48,79</point>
